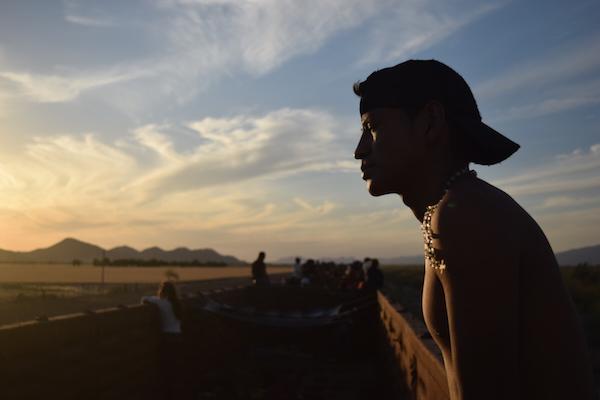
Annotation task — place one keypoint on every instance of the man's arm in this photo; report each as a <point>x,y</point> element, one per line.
<point>480,285</point>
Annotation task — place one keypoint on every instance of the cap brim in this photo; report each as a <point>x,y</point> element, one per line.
<point>486,145</point>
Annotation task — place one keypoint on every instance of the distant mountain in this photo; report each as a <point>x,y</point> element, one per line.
<point>178,254</point>
<point>11,256</point>
<point>66,250</point>
<point>590,255</point>
<point>122,253</point>
<point>70,249</point>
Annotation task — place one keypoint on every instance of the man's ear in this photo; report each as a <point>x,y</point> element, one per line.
<point>434,115</point>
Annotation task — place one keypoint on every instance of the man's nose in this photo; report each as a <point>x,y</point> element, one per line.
<point>364,147</point>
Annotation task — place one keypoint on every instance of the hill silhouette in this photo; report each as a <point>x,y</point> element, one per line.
<point>71,249</point>
<point>590,255</point>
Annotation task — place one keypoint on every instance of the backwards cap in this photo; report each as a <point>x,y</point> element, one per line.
<point>415,82</point>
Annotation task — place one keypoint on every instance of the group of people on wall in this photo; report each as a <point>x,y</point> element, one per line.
<point>325,274</point>
<point>356,276</point>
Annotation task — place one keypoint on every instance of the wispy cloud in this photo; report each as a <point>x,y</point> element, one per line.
<point>280,143</point>
<point>415,26</point>
<point>325,208</point>
<point>89,21</point>
<point>82,172</point>
<point>560,66</point>
<point>56,88</point>
<point>204,41</point>
<point>567,173</point>
<point>549,106</point>
<point>561,80</point>
<point>197,43</point>
<point>554,202</point>
<point>259,35</point>
<point>80,13</point>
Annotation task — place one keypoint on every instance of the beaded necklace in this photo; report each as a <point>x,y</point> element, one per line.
<point>434,262</point>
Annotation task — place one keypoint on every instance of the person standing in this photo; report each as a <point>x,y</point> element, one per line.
<point>298,268</point>
<point>374,277</point>
<point>366,265</point>
<point>259,271</point>
<point>493,297</point>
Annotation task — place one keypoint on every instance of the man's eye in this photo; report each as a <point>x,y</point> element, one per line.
<point>372,130</point>
<point>369,128</point>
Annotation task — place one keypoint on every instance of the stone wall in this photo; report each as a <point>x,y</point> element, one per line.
<point>414,362</point>
<point>109,354</point>
<point>113,353</point>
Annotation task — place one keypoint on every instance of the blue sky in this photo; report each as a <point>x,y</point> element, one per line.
<point>231,124</point>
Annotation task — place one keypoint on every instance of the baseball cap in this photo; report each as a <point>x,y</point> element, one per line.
<point>415,82</point>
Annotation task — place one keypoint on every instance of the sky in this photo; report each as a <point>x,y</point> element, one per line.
<point>231,124</point>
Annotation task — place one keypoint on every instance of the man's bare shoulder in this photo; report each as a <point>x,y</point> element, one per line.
<point>477,222</point>
<point>476,203</point>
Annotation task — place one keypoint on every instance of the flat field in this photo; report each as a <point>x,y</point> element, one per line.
<point>65,273</point>
<point>28,291</point>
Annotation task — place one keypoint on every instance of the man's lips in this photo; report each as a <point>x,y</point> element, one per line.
<point>367,170</point>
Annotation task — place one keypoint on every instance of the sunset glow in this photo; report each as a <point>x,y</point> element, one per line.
<point>232,124</point>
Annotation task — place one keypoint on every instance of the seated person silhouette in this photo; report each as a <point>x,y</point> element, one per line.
<point>171,342</point>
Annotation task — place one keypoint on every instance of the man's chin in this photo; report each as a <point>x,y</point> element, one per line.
<point>376,190</point>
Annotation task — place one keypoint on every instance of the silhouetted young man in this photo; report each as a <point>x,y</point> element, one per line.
<point>493,298</point>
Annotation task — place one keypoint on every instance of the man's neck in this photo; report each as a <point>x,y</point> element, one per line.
<point>419,201</point>
<point>429,190</point>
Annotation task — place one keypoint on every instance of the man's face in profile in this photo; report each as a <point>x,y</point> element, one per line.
<point>391,150</point>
